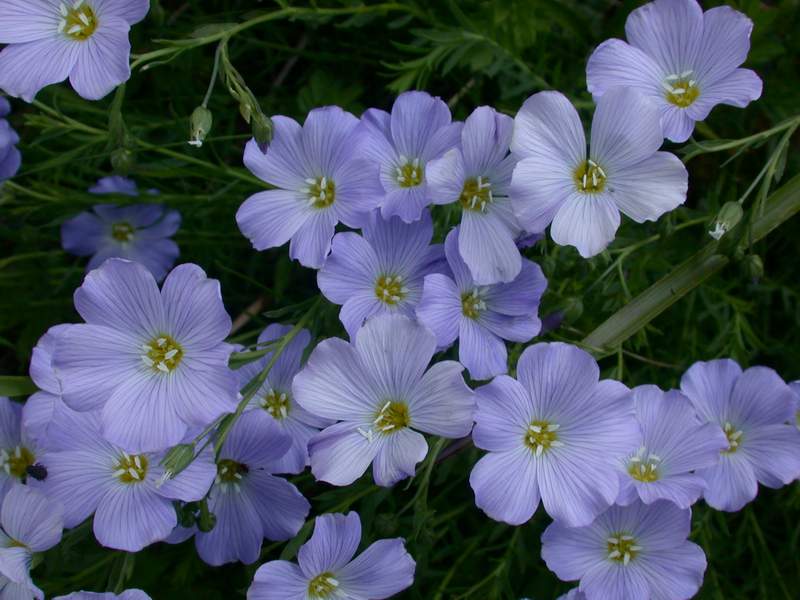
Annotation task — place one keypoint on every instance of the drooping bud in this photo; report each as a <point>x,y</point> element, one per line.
<point>754,266</point>
<point>123,161</point>
<point>177,459</point>
<point>728,217</point>
<point>200,124</point>
<point>262,130</point>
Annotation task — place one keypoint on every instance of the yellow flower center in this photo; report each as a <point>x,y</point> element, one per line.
<point>15,462</point>
<point>390,289</point>
<point>162,354</point>
<point>78,22</point>
<point>472,304</point>
<point>476,195</point>
<point>321,192</point>
<point>392,417</point>
<point>643,466</point>
<point>122,232</point>
<point>131,469</point>
<point>322,586</point>
<point>590,178</point>
<point>680,89</point>
<point>541,436</point>
<point>276,404</point>
<point>734,437</point>
<point>622,548</point>
<point>231,472</point>
<point>409,173</point>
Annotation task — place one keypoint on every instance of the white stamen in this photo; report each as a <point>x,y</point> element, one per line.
<point>62,24</point>
<point>685,74</point>
<point>84,19</point>
<point>556,444</point>
<point>133,473</point>
<point>170,354</point>
<point>626,538</point>
<point>161,341</point>
<point>119,473</point>
<point>539,450</point>
<point>626,559</point>
<point>535,428</point>
<point>673,77</point>
<point>614,554</point>
<point>283,412</point>
<point>74,29</point>
<point>310,181</point>
<point>162,367</point>
<point>137,462</point>
<point>64,10</point>
<point>584,181</point>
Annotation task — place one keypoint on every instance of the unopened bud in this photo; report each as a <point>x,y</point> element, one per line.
<point>122,160</point>
<point>177,459</point>
<point>262,131</point>
<point>200,124</point>
<point>728,217</point>
<point>754,266</point>
<point>207,520</point>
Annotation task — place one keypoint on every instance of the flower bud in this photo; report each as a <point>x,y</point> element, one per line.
<point>200,124</point>
<point>207,520</point>
<point>754,266</point>
<point>728,217</point>
<point>262,131</point>
<point>123,161</point>
<point>177,459</point>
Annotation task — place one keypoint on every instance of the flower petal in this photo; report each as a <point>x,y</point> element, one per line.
<point>731,484</point>
<point>724,45</point>
<point>503,412</point>
<point>270,219</point>
<point>709,386</point>
<point>31,518</point>
<point>237,534</point>
<point>487,246</point>
<point>352,266</point>
<point>505,485</point>
<point>27,68</point>
<point>669,32</point>
<point>278,580</point>
<point>340,454</point>
<point>441,403</point>
<point>548,125</point>
<point>415,118</point>
<point>445,177</point>
<point>739,88</point>
<point>311,243</point>
<point>539,187</point>
<point>651,188</point>
<point>482,352</point>
<point>132,516</point>
<point>279,504</point>
<point>398,457</point>
<point>103,60</point>
<point>626,129</point>
<point>440,308</point>
<point>328,134</point>
<point>82,234</point>
<point>586,221</point>
<point>332,545</point>
<point>192,483</point>
<point>615,63</point>
<point>382,570</point>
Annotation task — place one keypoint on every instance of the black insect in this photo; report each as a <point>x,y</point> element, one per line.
<point>37,471</point>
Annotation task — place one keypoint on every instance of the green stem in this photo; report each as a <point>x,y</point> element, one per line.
<point>782,205</point>
<point>751,139</point>
<point>249,390</point>
<point>178,46</point>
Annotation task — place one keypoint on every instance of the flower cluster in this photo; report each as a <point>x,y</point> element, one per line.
<point>151,423</point>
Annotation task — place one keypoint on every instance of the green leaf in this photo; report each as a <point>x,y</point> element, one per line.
<point>12,385</point>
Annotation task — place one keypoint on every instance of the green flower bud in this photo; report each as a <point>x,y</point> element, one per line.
<point>728,217</point>
<point>754,266</point>
<point>200,124</point>
<point>123,161</point>
<point>177,459</point>
<point>207,520</point>
<point>262,130</point>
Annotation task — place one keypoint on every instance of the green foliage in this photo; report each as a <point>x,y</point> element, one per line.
<point>289,58</point>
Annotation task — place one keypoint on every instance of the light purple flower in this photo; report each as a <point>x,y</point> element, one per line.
<point>674,445</point>
<point>126,595</point>
<point>139,232</point>
<point>402,144</point>
<point>115,184</point>
<point>18,452</point>
<point>129,495</point>
<point>753,409</point>
<point>30,523</point>
<point>154,362</point>
<point>326,568</point>
<point>378,388</point>
<point>555,433</point>
<point>44,406</point>
<point>50,40</point>
<point>10,157</point>
<point>275,396</point>
<point>382,271</point>
<point>629,553</point>
<point>795,387</point>
<point>685,60</point>
<point>477,175</point>
<point>319,183</point>
<point>481,316</point>
<point>250,503</point>
<point>582,196</point>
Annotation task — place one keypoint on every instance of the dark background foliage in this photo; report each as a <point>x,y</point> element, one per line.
<point>357,55</point>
